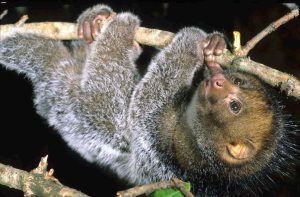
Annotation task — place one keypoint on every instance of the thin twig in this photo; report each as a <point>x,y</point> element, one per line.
<point>3,14</point>
<point>291,6</point>
<point>149,188</point>
<point>181,187</point>
<point>269,29</point>
<point>22,20</point>
<point>236,42</point>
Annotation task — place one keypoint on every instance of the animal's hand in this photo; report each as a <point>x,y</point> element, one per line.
<point>213,45</point>
<point>91,21</point>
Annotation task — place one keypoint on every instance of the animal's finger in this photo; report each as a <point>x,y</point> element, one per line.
<point>220,47</point>
<point>87,33</point>
<point>209,50</point>
<point>80,31</point>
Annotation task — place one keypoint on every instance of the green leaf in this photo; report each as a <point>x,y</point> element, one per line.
<point>171,192</point>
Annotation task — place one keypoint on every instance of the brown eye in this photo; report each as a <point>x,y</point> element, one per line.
<point>235,107</point>
<point>238,81</point>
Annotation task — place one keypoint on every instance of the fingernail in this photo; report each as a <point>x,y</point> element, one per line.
<point>208,58</point>
<point>205,44</point>
<point>207,52</point>
<point>218,52</point>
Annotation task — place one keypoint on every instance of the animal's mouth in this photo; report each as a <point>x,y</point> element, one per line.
<point>238,153</point>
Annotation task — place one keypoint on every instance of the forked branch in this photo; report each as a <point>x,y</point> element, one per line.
<point>159,38</point>
<point>269,29</point>
<point>38,182</point>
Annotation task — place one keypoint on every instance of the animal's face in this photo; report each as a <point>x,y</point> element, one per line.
<point>237,120</point>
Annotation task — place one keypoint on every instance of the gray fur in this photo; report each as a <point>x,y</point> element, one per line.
<point>93,96</point>
<point>170,71</point>
<point>92,103</point>
<point>87,103</point>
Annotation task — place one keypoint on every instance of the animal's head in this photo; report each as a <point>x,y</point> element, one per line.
<point>237,125</point>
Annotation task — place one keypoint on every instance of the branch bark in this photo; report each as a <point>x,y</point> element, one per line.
<point>38,182</point>
<point>273,77</point>
<point>68,31</point>
<point>3,14</point>
<point>149,188</point>
<point>269,29</point>
<point>159,38</point>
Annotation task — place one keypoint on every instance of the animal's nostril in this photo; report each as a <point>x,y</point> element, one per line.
<point>217,81</point>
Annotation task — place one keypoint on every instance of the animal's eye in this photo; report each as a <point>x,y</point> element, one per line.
<point>238,81</point>
<point>235,106</point>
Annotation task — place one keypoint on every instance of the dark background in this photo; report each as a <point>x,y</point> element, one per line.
<point>25,137</point>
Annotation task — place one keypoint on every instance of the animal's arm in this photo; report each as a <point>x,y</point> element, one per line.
<point>170,72</point>
<point>106,83</point>
<point>112,55</point>
<point>87,103</point>
<point>32,55</point>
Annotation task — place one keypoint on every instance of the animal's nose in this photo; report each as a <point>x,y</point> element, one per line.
<point>217,81</point>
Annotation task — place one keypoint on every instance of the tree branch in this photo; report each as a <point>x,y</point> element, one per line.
<point>53,30</point>
<point>68,31</point>
<point>272,27</point>
<point>159,38</point>
<point>38,182</point>
<point>149,188</point>
<point>3,14</point>
<point>273,77</point>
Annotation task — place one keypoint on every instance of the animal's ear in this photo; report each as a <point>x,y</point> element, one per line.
<point>241,151</point>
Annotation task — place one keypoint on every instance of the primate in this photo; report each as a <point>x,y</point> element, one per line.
<point>221,129</point>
